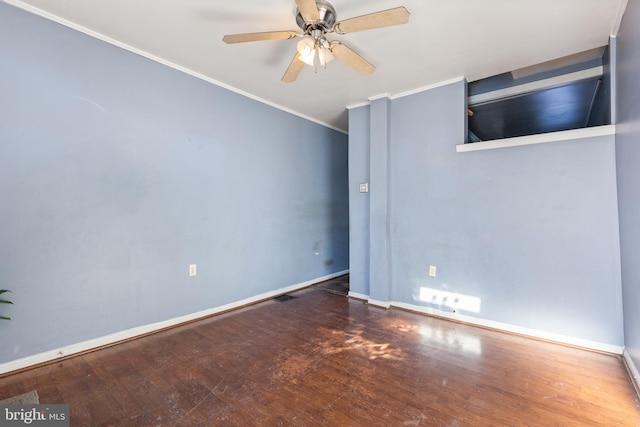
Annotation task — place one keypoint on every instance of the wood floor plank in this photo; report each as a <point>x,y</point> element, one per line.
<point>324,359</point>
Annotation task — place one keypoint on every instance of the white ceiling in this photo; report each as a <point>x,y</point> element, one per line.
<point>444,40</point>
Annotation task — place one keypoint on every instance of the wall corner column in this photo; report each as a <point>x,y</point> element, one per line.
<point>379,232</point>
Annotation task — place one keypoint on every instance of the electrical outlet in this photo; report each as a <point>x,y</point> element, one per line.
<point>432,271</point>
<point>192,269</point>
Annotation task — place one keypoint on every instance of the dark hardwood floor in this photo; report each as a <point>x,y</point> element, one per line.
<point>323,359</point>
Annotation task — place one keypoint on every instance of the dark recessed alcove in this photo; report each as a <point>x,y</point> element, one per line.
<point>569,93</point>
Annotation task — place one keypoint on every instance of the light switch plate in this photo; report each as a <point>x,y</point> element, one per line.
<point>364,187</point>
<point>432,271</point>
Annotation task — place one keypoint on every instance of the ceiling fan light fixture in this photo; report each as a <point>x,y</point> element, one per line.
<point>325,56</point>
<point>316,19</point>
<point>307,50</point>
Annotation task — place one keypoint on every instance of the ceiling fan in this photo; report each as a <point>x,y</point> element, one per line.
<point>316,19</point>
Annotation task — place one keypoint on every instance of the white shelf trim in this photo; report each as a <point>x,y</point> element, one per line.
<point>566,135</point>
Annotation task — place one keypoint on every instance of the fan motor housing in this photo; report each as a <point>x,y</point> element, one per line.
<point>325,23</point>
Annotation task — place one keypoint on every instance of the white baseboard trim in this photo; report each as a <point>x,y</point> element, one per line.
<point>357,295</point>
<point>633,370</point>
<point>505,327</point>
<point>114,338</point>
<point>378,303</point>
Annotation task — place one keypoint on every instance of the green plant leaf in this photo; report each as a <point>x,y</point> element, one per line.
<point>4,301</point>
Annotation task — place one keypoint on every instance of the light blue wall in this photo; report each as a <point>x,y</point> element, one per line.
<point>359,165</point>
<point>379,163</point>
<point>531,231</point>
<point>116,173</point>
<point>628,166</point>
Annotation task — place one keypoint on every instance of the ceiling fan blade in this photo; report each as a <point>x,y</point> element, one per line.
<point>308,10</point>
<point>352,59</point>
<point>254,37</point>
<point>385,18</point>
<point>294,69</point>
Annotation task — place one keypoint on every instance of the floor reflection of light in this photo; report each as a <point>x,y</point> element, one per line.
<point>401,325</point>
<point>450,299</point>
<point>341,341</point>
<point>453,340</point>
